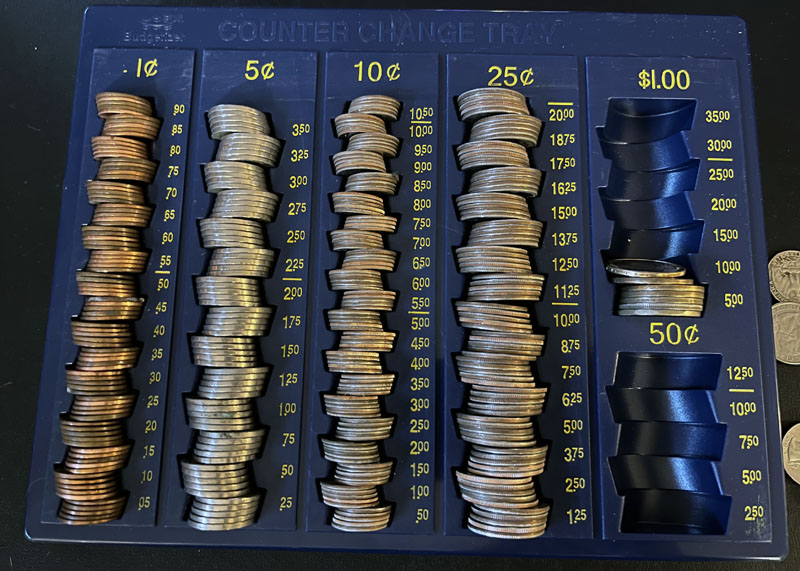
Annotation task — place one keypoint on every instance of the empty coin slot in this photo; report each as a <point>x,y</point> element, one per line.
<point>668,370</point>
<point>642,120</point>
<point>646,195</point>
<point>672,439</point>
<point>669,443</point>
<point>671,243</point>
<point>638,472</point>
<point>651,156</point>
<point>675,512</point>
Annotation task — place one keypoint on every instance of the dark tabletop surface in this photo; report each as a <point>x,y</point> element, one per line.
<point>39,43</point>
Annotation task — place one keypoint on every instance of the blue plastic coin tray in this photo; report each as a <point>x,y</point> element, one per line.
<point>663,433</point>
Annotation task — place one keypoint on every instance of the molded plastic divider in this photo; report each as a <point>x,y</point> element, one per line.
<point>638,472</point>
<point>662,242</point>
<point>667,212</point>
<point>659,405</point>
<point>675,512</point>
<point>650,156</point>
<point>649,185</point>
<point>647,120</point>
<point>672,439</point>
<point>667,370</point>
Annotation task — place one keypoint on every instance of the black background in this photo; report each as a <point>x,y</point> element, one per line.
<point>39,43</point>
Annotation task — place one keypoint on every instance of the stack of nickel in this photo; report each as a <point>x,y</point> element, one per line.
<point>88,479</point>
<point>217,474</point>
<point>354,491</point>
<point>496,364</point>
<point>654,287</point>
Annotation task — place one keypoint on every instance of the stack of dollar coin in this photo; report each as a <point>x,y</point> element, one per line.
<point>222,410</point>
<point>654,287</point>
<point>496,365</point>
<point>93,429</point>
<point>361,423</point>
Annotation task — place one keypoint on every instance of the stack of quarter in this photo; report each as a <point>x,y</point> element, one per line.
<point>354,491</point>
<point>88,481</point>
<point>654,287</point>
<point>502,395</point>
<point>229,437</point>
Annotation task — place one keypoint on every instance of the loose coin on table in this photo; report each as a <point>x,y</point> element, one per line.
<point>786,326</point>
<point>791,452</point>
<point>784,276</point>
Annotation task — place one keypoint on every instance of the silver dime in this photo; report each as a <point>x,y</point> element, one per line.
<point>352,123</point>
<point>381,106</point>
<point>381,143</point>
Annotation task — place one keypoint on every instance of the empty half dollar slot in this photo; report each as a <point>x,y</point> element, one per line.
<point>668,370</point>
<point>635,472</point>
<point>675,511</point>
<point>672,439</point>
<point>661,405</point>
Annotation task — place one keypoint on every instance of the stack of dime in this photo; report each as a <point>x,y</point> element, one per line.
<point>654,287</point>
<point>229,436</point>
<point>354,493</point>
<point>88,479</point>
<point>502,396</point>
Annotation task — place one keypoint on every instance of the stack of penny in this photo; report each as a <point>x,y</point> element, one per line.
<point>218,473</point>
<point>361,423</point>
<point>88,480</point>
<point>496,365</point>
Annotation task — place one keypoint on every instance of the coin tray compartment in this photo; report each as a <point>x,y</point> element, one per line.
<point>651,172</point>
<point>285,102</point>
<point>675,512</point>
<point>665,398</point>
<point>718,398</point>
<point>457,448</point>
<point>201,56</point>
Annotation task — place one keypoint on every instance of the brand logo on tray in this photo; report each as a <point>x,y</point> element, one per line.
<point>157,29</point>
